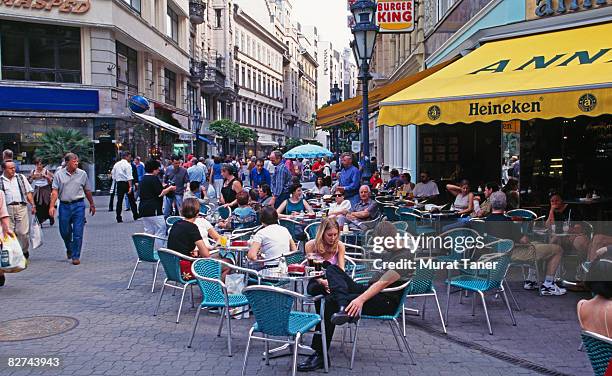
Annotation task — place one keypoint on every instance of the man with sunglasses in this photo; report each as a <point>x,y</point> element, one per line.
<point>340,206</point>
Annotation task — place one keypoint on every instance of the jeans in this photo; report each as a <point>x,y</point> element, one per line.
<point>155,225</point>
<point>122,191</point>
<point>168,201</point>
<point>71,226</point>
<point>343,291</point>
<point>218,184</point>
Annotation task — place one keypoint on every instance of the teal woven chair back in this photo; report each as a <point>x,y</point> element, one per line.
<point>523,213</point>
<point>400,306</point>
<point>401,226</point>
<point>295,258</point>
<point>599,351</point>
<point>460,233</point>
<point>145,247</point>
<point>172,220</point>
<point>289,225</point>
<point>224,212</point>
<point>204,209</point>
<point>389,212</point>
<point>171,266</point>
<point>271,310</point>
<point>311,230</point>
<point>211,292</point>
<point>422,281</point>
<point>501,264</point>
<point>408,216</point>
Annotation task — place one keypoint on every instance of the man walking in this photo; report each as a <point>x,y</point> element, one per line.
<point>350,179</point>
<point>71,186</point>
<point>281,180</point>
<point>18,193</point>
<point>123,173</point>
<point>196,174</point>
<point>177,177</point>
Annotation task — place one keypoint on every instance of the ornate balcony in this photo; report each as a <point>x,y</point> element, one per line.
<point>196,11</point>
<point>196,70</point>
<point>213,80</point>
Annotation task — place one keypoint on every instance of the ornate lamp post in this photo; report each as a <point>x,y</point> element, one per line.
<point>364,31</point>
<point>196,122</point>
<point>335,97</point>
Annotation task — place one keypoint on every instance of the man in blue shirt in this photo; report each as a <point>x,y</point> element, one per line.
<point>395,180</point>
<point>196,173</point>
<point>350,179</point>
<point>281,180</point>
<point>260,175</point>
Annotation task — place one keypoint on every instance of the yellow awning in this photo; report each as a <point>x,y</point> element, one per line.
<point>347,110</point>
<point>558,74</point>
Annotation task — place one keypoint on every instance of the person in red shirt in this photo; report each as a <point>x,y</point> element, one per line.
<point>376,180</point>
<point>317,167</point>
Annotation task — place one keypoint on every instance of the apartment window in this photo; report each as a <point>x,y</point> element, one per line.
<point>172,24</point>
<point>37,52</point>
<point>170,87</point>
<point>237,74</point>
<point>127,67</point>
<point>218,18</point>
<point>443,7</point>
<point>249,118</point>
<point>249,81</point>
<point>243,77</point>
<point>244,118</point>
<point>134,4</point>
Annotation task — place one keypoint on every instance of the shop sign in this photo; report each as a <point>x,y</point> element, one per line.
<point>512,126</point>
<point>356,146</point>
<point>392,16</point>
<point>544,8</point>
<point>64,6</point>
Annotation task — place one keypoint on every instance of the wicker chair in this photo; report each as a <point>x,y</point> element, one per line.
<point>599,350</point>
<point>145,248</point>
<point>170,261</point>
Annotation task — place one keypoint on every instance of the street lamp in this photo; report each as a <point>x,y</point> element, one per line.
<point>335,97</point>
<point>364,31</point>
<point>196,123</point>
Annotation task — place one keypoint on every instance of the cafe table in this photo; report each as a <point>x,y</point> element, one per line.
<point>239,250</point>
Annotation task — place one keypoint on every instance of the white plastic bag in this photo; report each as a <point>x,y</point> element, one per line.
<point>11,256</point>
<point>36,236</point>
<point>211,193</point>
<point>235,284</point>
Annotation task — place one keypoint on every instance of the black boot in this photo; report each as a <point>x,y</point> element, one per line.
<point>312,363</point>
<point>2,280</point>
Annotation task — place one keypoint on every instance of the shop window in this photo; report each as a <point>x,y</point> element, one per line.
<point>172,24</point>
<point>134,4</point>
<point>36,52</point>
<point>127,68</point>
<point>170,87</point>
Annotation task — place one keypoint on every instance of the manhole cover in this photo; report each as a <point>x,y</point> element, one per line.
<point>35,327</point>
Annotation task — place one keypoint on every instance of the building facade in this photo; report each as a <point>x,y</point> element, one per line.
<point>90,58</point>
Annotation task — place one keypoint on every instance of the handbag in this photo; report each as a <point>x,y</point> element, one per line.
<point>36,236</point>
<point>12,259</point>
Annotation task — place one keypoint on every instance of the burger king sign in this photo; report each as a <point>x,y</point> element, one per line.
<point>395,16</point>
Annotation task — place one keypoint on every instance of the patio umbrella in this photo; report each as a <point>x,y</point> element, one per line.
<point>308,151</point>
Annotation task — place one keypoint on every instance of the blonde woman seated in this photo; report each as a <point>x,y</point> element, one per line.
<point>295,204</point>
<point>464,199</point>
<point>340,206</point>
<point>327,248</point>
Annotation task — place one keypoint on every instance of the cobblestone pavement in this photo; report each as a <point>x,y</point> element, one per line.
<point>117,334</point>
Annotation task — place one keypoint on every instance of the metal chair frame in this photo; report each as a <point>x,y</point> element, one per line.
<point>225,313</point>
<point>178,284</point>
<point>296,340</point>
<point>139,260</point>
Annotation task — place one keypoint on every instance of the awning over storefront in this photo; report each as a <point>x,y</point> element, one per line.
<point>183,134</point>
<point>267,143</point>
<point>346,110</point>
<point>208,141</point>
<point>558,74</point>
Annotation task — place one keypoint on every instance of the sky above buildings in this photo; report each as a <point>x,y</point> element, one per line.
<point>330,18</point>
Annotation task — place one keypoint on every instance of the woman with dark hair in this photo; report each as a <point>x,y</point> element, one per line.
<point>273,240</point>
<point>512,194</point>
<point>320,188</point>
<point>595,315</point>
<point>265,195</point>
<point>231,186</point>
<point>464,199</point>
<point>405,184</point>
<point>41,179</point>
<point>295,204</point>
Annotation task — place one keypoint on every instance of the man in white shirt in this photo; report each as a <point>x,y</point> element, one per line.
<point>123,175</point>
<point>426,188</point>
<point>18,193</point>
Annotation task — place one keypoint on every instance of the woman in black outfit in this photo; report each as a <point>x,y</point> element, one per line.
<point>231,186</point>
<point>151,201</point>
